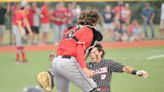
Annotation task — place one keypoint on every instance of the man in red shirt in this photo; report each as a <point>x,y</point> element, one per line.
<point>69,64</point>
<point>45,23</point>
<point>59,21</point>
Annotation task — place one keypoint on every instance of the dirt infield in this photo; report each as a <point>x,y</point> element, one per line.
<point>105,45</point>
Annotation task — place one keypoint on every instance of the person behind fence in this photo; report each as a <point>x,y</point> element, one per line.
<point>3,11</point>
<point>162,21</point>
<point>135,31</point>
<point>148,16</point>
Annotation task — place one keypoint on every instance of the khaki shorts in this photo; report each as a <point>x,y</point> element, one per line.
<point>45,27</point>
<point>162,24</point>
<point>2,29</point>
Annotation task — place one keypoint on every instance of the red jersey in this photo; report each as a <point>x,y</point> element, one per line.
<point>60,14</point>
<point>70,47</point>
<point>20,16</point>
<point>45,13</point>
<point>30,15</point>
<point>14,10</point>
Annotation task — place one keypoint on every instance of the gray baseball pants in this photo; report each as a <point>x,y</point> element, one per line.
<point>66,70</point>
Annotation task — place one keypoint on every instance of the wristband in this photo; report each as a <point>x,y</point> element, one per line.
<point>134,72</point>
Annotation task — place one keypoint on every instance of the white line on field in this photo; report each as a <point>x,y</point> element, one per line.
<point>155,57</point>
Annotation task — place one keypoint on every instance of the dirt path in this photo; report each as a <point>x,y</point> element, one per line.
<point>105,45</point>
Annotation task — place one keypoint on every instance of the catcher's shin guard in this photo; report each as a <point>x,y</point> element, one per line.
<point>45,80</point>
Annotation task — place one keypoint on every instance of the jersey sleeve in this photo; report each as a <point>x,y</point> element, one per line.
<point>115,66</point>
<point>85,38</point>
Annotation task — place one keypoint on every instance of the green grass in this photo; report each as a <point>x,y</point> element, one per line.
<point>15,77</point>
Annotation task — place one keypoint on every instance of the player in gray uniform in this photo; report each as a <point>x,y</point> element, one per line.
<point>103,68</point>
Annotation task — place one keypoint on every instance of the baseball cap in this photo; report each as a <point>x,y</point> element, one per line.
<point>23,3</point>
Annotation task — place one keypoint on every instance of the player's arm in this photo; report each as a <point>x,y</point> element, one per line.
<point>28,26</point>
<point>20,27</point>
<point>80,50</point>
<point>131,70</point>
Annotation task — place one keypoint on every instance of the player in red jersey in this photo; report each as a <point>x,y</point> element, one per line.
<point>19,23</point>
<point>69,64</point>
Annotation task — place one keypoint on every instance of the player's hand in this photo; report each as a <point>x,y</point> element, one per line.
<point>23,33</point>
<point>51,57</point>
<point>142,73</point>
<point>88,73</point>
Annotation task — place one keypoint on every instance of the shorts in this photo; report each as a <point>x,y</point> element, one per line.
<point>2,29</point>
<point>34,30</point>
<point>45,27</point>
<point>109,26</point>
<point>162,24</point>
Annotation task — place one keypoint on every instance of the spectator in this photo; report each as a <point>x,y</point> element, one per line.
<point>45,23</point>
<point>3,11</point>
<point>126,14</point>
<point>108,17</point>
<point>36,23</point>
<point>135,30</point>
<point>120,34</point>
<point>148,16</point>
<point>77,11</point>
<point>14,9</point>
<point>162,21</point>
<point>70,14</point>
<point>121,18</point>
<point>59,17</point>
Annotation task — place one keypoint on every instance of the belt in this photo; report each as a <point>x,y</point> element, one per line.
<point>68,57</point>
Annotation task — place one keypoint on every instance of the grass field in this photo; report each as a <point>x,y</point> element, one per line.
<point>15,77</point>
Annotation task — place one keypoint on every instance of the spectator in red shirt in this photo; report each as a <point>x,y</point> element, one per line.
<point>14,9</point>
<point>45,23</point>
<point>69,64</point>
<point>59,20</point>
<point>70,14</point>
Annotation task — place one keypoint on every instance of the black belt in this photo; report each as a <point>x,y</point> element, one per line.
<point>68,57</point>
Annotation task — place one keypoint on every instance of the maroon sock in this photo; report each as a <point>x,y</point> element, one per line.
<point>17,57</point>
<point>23,56</point>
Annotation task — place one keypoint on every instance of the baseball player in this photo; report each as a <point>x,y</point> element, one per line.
<point>19,31</point>
<point>103,68</point>
<point>69,64</point>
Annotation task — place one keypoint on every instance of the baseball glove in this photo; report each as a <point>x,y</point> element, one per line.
<point>45,80</point>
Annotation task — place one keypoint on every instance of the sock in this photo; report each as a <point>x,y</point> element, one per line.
<point>23,56</point>
<point>17,56</point>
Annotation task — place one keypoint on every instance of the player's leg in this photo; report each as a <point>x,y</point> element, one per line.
<point>61,83</point>
<point>18,43</point>
<point>70,69</point>
<point>81,80</point>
